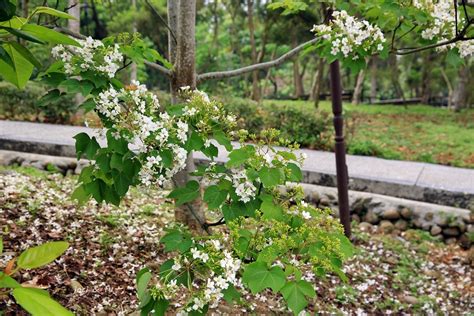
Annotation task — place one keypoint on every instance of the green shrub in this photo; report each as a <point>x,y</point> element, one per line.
<point>24,104</point>
<point>309,128</point>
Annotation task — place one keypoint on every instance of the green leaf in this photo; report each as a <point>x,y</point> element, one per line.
<point>271,210</point>
<point>236,209</point>
<point>8,282</point>
<point>51,97</point>
<point>26,54</point>
<point>239,156</point>
<point>186,194</point>
<point>38,304</point>
<point>48,35</point>
<point>231,294</point>
<point>160,307</point>
<point>347,248</point>
<point>214,197</point>
<point>41,255</point>
<point>143,279</point>
<point>258,277</point>
<point>211,151</point>
<point>5,57</point>
<point>21,34</point>
<point>1,245</point>
<point>53,12</point>
<point>76,86</point>
<point>7,10</point>
<point>86,145</point>
<point>177,240</point>
<point>88,105</point>
<point>195,142</point>
<point>295,293</point>
<point>271,176</point>
<point>21,71</point>
<point>223,140</point>
<point>80,195</point>
<point>295,173</point>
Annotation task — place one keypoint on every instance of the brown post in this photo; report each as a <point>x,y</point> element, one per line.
<point>340,148</point>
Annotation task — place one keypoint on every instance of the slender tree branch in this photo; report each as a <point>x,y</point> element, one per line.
<point>265,65</point>
<point>459,37</point>
<point>70,33</point>
<point>406,33</point>
<point>456,16</point>
<point>162,20</point>
<point>394,34</point>
<point>150,64</point>
<point>165,71</point>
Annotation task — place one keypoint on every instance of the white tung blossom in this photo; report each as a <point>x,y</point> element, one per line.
<point>349,34</point>
<point>91,55</point>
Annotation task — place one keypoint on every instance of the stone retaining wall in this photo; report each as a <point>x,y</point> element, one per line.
<point>393,215</point>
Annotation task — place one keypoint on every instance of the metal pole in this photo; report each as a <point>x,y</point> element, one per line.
<point>340,148</point>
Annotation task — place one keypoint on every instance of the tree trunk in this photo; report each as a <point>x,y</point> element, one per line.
<point>450,88</point>
<point>317,83</point>
<point>24,7</point>
<point>255,85</point>
<point>358,87</point>
<point>75,11</point>
<point>297,77</point>
<point>460,94</point>
<point>395,76</point>
<point>373,79</point>
<point>426,78</point>
<point>182,17</point>
<point>75,26</point>
<point>133,66</point>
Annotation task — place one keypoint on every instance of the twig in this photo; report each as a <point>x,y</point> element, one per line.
<point>162,20</point>
<point>265,65</point>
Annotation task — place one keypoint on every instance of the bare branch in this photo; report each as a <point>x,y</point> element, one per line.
<point>265,65</point>
<point>150,64</point>
<point>158,67</point>
<point>460,37</point>
<point>70,33</point>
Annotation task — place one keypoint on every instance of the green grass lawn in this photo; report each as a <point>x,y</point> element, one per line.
<point>416,132</point>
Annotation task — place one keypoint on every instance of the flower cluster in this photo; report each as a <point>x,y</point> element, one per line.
<point>244,188</point>
<point>349,36</point>
<point>132,112</point>
<point>92,55</point>
<point>442,26</point>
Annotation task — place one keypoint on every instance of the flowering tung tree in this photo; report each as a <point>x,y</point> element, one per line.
<point>272,235</point>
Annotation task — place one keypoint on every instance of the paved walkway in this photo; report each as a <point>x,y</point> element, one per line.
<point>412,180</point>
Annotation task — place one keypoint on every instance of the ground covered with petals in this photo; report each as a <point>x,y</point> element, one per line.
<point>412,273</point>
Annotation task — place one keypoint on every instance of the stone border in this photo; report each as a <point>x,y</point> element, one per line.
<point>393,215</point>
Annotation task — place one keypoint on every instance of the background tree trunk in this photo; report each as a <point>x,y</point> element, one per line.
<point>395,76</point>
<point>297,76</point>
<point>450,88</point>
<point>133,66</point>
<point>460,93</point>
<point>426,77</point>
<point>75,11</point>
<point>184,74</point>
<point>373,79</point>
<point>255,85</point>
<point>358,87</point>
<point>24,7</point>
<point>75,26</point>
<point>317,83</point>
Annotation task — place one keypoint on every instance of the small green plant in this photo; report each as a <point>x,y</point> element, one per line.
<point>34,300</point>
